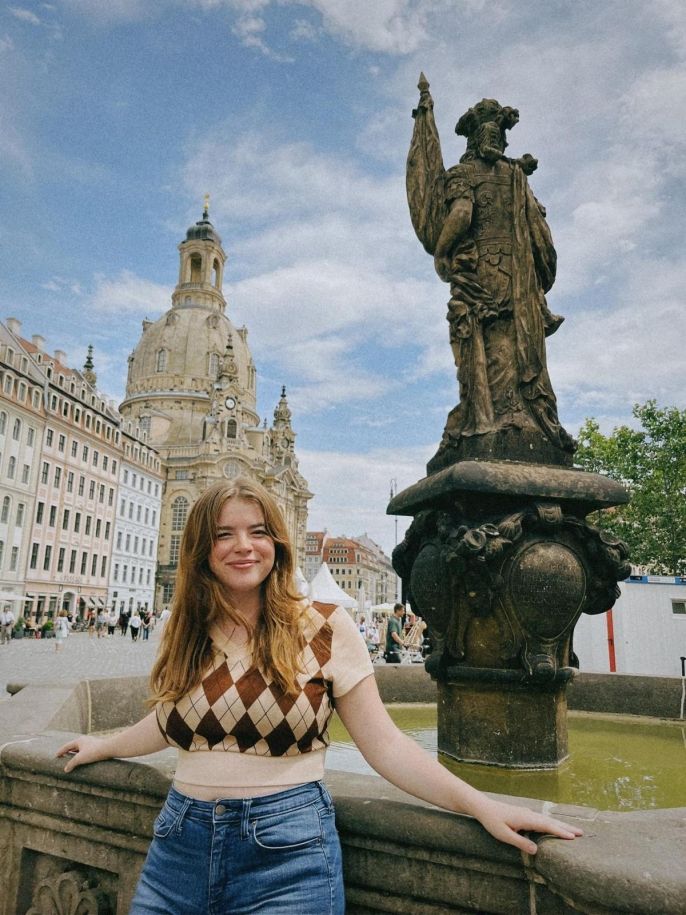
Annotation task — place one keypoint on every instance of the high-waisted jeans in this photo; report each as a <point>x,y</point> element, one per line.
<point>275,855</point>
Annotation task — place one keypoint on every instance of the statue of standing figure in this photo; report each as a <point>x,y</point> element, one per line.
<point>490,240</point>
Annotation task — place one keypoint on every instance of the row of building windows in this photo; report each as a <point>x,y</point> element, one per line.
<point>11,469</point>
<point>93,487</point>
<point>6,509</point>
<point>125,544</point>
<point>132,580</point>
<point>139,480</point>
<point>14,556</point>
<point>86,452</point>
<point>141,516</point>
<point>51,519</point>
<point>73,564</point>
<point>142,455</point>
<point>16,430</point>
<point>20,388</point>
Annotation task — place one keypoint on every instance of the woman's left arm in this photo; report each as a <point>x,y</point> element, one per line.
<point>406,765</point>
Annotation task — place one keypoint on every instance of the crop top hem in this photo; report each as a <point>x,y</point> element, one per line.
<point>247,770</point>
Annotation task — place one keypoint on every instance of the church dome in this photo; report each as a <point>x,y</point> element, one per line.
<point>203,230</point>
<point>183,349</point>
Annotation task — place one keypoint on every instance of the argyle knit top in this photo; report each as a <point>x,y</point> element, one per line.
<point>238,728</point>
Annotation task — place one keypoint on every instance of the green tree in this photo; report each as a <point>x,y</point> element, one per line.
<point>651,462</point>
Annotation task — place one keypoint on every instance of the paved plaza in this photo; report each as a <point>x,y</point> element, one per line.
<point>82,656</point>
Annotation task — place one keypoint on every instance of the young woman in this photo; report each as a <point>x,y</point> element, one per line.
<point>244,686</point>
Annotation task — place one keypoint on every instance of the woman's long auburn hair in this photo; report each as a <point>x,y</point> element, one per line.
<point>200,600</point>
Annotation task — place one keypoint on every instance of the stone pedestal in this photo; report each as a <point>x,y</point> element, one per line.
<point>501,563</point>
<point>491,720</point>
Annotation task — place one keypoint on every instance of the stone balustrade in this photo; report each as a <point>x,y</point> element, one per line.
<point>76,842</point>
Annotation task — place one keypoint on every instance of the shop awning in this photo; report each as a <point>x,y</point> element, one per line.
<point>91,602</point>
<point>101,602</point>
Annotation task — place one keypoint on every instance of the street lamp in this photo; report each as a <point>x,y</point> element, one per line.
<point>394,490</point>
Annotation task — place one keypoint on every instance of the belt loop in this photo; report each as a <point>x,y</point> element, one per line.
<point>245,817</point>
<point>324,793</point>
<point>181,815</point>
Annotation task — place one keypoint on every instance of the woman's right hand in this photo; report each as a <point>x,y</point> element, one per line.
<point>83,750</point>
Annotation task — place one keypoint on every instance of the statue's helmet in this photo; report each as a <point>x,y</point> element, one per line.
<point>487,111</point>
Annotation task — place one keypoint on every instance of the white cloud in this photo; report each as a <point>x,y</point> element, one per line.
<point>114,12</point>
<point>628,353</point>
<point>328,263</point>
<point>20,12</point>
<point>352,490</point>
<point>129,293</point>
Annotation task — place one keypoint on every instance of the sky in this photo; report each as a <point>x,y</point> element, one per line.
<point>117,116</point>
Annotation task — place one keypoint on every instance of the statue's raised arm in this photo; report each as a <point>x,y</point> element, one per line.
<point>426,172</point>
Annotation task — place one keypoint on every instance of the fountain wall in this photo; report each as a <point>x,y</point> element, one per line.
<point>83,837</point>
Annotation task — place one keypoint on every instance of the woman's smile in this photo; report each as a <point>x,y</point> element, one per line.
<point>243,553</point>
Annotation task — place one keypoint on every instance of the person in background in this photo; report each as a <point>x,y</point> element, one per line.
<point>91,623</point>
<point>111,622</point>
<point>373,636</point>
<point>394,635</point>
<point>135,625</point>
<point>61,629</point>
<point>100,623</point>
<point>146,625</point>
<point>248,824</point>
<point>7,622</point>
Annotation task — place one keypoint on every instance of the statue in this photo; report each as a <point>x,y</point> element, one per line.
<point>499,559</point>
<point>490,241</point>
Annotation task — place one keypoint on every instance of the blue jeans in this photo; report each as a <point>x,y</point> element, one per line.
<point>275,855</point>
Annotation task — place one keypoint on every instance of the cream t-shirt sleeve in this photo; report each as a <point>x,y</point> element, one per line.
<point>350,662</point>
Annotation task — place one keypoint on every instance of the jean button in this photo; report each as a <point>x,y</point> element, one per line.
<point>220,809</point>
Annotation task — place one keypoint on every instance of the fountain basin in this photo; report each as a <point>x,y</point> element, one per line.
<point>87,832</point>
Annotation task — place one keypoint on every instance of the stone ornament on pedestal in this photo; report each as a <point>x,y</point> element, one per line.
<point>499,559</point>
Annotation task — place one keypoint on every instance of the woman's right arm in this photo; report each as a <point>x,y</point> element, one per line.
<point>138,740</point>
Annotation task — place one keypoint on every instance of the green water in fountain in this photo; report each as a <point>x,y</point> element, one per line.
<point>615,762</point>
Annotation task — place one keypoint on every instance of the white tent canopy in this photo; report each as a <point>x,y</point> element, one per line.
<point>301,582</point>
<point>324,588</point>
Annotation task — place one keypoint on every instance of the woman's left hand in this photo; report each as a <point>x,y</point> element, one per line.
<point>504,822</point>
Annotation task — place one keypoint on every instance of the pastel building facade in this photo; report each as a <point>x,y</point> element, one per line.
<point>22,421</point>
<point>133,565</point>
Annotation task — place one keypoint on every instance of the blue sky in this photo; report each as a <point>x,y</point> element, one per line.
<point>118,115</point>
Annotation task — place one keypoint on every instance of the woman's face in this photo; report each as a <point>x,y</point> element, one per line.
<point>243,553</point>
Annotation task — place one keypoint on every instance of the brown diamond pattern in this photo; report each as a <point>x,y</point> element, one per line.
<point>235,707</point>
<point>210,728</point>
<point>217,683</point>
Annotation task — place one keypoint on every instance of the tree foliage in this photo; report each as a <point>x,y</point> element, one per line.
<point>651,462</point>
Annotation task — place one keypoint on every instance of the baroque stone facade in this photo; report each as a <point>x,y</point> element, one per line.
<point>192,385</point>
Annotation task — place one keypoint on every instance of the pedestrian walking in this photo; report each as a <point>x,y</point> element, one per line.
<point>7,622</point>
<point>111,622</point>
<point>135,625</point>
<point>61,629</point>
<point>248,800</point>
<point>100,624</point>
<point>91,623</point>
<point>146,625</point>
<point>123,621</point>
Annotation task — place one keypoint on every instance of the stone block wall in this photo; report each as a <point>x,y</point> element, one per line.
<point>76,843</point>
